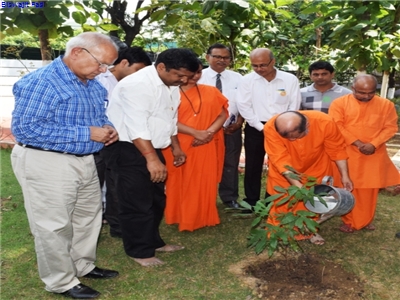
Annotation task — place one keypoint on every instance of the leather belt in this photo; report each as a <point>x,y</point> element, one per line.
<point>55,151</point>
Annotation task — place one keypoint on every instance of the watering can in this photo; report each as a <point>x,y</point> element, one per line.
<point>338,201</point>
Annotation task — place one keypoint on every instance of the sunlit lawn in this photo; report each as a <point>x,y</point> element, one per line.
<point>201,270</point>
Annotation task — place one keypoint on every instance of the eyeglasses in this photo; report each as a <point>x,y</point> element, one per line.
<point>219,57</point>
<point>262,66</point>
<point>101,65</point>
<point>364,93</point>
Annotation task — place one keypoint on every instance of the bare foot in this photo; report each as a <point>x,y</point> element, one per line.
<point>316,239</point>
<point>149,262</point>
<point>170,248</point>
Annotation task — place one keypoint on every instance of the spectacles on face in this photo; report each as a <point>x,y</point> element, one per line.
<point>261,66</point>
<point>364,93</point>
<point>101,65</point>
<point>219,57</point>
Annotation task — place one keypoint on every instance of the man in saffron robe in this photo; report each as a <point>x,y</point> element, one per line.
<point>191,188</point>
<point>309,142</point>
<point>367,122</point>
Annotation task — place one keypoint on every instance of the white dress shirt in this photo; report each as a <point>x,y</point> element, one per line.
<point>142,106</point>
<point>230,81</point>
<point>108,80</point>
<point>258,99</point>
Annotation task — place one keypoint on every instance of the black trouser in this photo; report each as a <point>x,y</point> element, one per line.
<point>106,172</point>
<point>141,203</point>
<point>229,186</point>
<point>109,158</point>
<point>255,153</point>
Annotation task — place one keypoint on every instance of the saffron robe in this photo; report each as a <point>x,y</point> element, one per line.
<point>191,189</point>
<point>313,155</point>
<point>372,122</point>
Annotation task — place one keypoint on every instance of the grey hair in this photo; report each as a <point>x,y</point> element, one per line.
<point>88,40</point>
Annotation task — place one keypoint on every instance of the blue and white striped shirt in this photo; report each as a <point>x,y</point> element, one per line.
<point>54,109</point>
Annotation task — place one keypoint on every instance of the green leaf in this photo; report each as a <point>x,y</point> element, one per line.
<point>158,15</point>
<point>109,27</point>
<point>87,28</point>
<point>273,197</point>
<point>283,201</point>
<point>280,189</point>
<point>13,31</point>
<point>95,17</point>
<point>172,19</point>
<point>53,15</point>
<point>66,29</point>
<point>79,6</point>
<point>79,17</point>
<point>256,221</point>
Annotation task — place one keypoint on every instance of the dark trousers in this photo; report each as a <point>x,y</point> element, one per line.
<point>255,153</point>
<point>229,185</point>
<point>141,203</point>
<point>109,158</point>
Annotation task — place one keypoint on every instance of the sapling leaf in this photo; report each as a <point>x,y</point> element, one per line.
<point>283,201</point>
<point>280,189</point>
<point>245,204</point>
<point>256,221</point>
<point>274,197</point>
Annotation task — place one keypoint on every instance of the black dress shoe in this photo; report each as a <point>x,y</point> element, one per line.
<point>98,273</point>
<point>232,204</point>
<point>81,291</point>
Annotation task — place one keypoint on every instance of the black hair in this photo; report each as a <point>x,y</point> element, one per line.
<point>178,58</point>
<point>218,46</point>
<point>133,55</point>
<point>302,127</point>
<point>321,65</point>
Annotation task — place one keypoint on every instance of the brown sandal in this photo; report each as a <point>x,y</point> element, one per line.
<point>346,228</point>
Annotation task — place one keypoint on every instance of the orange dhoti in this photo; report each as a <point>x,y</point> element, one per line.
<point>364,209</point>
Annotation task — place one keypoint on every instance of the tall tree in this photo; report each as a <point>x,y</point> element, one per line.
<point>365,33</point>
<point>44,19</point>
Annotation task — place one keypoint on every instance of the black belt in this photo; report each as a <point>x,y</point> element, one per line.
<point>48,150</point>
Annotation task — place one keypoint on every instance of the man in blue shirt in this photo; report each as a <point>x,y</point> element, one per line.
<point>59,121</point>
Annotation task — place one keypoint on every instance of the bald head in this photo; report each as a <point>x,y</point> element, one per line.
<point>364,87</point>
<point>291,125</point>
<point>261,53</point>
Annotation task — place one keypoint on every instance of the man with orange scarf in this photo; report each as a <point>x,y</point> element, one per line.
<point>367,122</point>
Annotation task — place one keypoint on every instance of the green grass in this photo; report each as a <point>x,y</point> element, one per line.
<point>201,270</point>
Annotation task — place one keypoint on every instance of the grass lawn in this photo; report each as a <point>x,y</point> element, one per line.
<point>201,270</point>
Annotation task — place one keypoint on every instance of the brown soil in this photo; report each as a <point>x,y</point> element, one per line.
<point>306,276</point>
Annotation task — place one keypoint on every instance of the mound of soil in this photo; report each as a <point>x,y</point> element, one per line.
<point>306,276</point>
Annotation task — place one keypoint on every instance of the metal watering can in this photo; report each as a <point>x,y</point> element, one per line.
<point>338,201</point>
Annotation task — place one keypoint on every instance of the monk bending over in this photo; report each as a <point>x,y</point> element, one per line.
<point>311,143</point>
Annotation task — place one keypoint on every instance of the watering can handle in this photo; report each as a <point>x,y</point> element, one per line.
<point>327,180</point>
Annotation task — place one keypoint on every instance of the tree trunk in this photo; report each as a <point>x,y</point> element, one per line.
<point>384,85</point>
<point>45,48</point>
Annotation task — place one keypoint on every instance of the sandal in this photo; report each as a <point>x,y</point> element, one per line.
<point>370,227</point>
<point>346,228</point>
<point>316,239</point>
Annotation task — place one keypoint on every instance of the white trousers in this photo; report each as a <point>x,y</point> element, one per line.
<point>63,202</point>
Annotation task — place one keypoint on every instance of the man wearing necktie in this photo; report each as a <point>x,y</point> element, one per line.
<point>219,57</point>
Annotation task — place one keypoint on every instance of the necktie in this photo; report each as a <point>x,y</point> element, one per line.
<point>218,83</point>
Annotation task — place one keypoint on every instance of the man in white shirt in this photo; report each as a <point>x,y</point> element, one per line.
<point>320,94</point>
<point>129,61</point>
<point>143,108</point>
<point>219,57</point>
<point>262,94</point>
